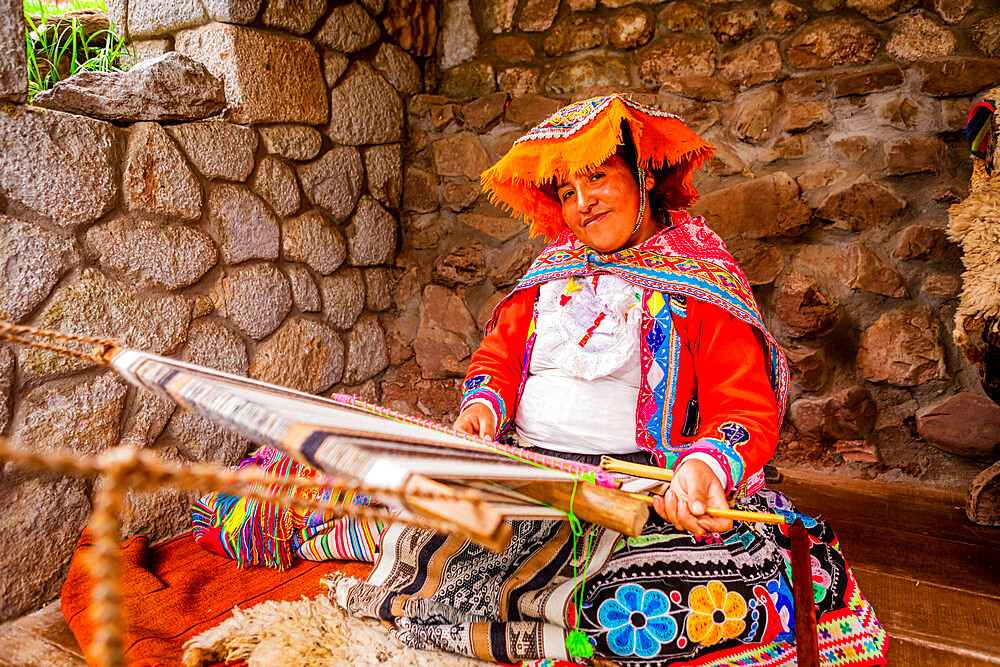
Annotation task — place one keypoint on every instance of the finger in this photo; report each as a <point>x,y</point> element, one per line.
<point>670,507</point>
<point>464,424</point>
<point>660,505</point>
<point>688,521</point>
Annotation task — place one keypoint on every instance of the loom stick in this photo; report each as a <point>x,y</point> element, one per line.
<point>806,638</point>
<point>618,510</point>
<point>735,515</point>
<point>636,469</point>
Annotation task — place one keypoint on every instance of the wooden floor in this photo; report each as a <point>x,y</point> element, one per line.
<point>933,578</point>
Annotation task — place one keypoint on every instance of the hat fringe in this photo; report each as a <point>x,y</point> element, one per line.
<point>663,142</point>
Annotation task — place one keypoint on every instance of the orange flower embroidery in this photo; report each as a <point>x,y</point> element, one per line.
<point>716,614</point>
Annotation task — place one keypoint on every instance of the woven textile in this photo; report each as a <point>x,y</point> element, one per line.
<point>662,598</point>
<point>253,532</point>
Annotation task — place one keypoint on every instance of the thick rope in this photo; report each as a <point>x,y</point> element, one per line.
<point>124,467</point>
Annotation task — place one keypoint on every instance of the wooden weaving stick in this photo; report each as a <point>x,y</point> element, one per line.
<point>735,515</point>
<point>636,469</point>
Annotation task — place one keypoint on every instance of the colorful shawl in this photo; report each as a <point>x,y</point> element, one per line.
<point>686,259</point>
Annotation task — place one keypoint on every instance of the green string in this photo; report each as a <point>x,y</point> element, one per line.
<point>577,644</point>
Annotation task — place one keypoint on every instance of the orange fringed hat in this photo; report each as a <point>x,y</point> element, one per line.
<point>584,135</point>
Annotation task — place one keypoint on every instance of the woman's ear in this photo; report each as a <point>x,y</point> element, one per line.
<point>648,180</point>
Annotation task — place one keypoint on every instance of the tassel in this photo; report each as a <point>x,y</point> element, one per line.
<point>578,646</point>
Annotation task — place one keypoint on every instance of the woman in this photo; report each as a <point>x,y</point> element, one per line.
<point>634,334</point>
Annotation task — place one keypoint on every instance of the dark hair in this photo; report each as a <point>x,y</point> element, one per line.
<point>628,152</point>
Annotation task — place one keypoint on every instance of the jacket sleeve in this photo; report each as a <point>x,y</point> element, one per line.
<point>496,370</point>
<point>737,407</point>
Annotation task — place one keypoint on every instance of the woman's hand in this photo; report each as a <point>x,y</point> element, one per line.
<point>692,491</point>
<point>477,419</point>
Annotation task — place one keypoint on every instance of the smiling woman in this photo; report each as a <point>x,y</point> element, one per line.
<point>634,333</point>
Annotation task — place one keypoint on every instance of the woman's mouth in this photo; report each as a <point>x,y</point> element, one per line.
<point>591,219</point>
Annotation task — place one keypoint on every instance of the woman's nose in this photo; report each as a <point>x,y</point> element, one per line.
<point>584,198</point>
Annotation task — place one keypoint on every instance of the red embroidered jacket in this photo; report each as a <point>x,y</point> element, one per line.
<point>723,402</point>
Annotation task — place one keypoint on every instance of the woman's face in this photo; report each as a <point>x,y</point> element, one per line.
<point>601,205</point>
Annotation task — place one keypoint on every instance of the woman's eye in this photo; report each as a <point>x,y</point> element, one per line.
<point>566,195</point>
<point>597,175</point>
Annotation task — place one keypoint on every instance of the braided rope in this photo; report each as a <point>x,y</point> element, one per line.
<point>123,467</point>
<point>15,333</point>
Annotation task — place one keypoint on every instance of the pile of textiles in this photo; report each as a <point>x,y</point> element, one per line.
<point>253,532</point>
<point>175,590</point>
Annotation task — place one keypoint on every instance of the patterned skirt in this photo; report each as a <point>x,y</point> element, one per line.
<point>658,599</point>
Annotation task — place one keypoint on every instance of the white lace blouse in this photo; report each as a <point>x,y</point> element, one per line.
<point>583,386</point>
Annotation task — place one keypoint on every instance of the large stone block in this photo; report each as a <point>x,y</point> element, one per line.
<point>275,181</point>
<point>343,297</point>
<point>371,236</point>
<point>255,297</point>
<point>460,155</point>
<point>459,41</point>
<point>758,208</point>
<point>384,173</point>
<point>215,345</point>
<point>869,273</point>
<point>170,87</point>
<point>95,305</point>
<point>348,28</point>
<point>41,522</point>
<point>861,205</point>
<point>158,182</point>
<point>298,16</point>
<point>903,348</point>
<point>833,41</point>
<point>270,77</point>
<point>156,18</point>
<point>963,424</point>
<point>399,69</point>
<point>365,109</point>
<point>13,56</point>
<point>303,354</point>
<point>32,260</point>
<point>295,142</point>
<point>446,336</point>
<point>333,182</point>
<point>232,11</point>
<point>219,150</point>
<point>170,256</point>
<point>918,37</point>
<point>803,309</point>
<point>57,165</point>
<point>305,293</point>
<point>847,415</point>
<point>312,240</point>
<point>677,55</point>
<point>366,354</point>
<point>957,76</point>
<point>68,414</point>
<point>243,224</point>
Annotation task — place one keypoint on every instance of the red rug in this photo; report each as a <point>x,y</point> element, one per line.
<point>176,590</point>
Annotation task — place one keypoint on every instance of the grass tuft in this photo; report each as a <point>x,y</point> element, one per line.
<point>59,47</point>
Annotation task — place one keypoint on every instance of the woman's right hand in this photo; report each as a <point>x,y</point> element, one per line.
<point>477,419</point>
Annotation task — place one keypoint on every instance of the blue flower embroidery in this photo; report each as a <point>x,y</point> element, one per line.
<point>638,621</point>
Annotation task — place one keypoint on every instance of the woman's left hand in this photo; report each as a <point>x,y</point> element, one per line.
<point>692,491</point>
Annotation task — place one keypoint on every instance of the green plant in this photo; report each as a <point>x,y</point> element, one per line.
<point>61,46</point>
<point>42,7</point>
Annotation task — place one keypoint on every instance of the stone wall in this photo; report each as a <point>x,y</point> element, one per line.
<point>260,242</point>
<point>839,126</point>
